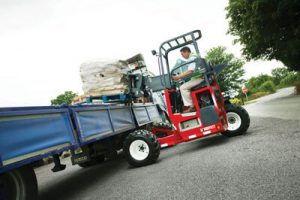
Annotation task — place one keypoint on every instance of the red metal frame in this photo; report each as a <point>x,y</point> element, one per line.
<point>175,136</point>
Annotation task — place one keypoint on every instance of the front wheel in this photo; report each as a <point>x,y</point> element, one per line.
<point>141,148</point>
<point>19,184</point>
<point>238,120</point>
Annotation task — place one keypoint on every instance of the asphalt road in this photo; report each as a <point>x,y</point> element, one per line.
<point>262,164</point>
<point>281,105</point>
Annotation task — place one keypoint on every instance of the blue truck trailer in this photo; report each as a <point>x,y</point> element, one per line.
<point>89,132</point>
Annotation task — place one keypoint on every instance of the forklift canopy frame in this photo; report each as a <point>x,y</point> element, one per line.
<point>173,44</point>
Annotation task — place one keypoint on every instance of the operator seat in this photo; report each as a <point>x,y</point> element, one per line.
<point>202,84</point>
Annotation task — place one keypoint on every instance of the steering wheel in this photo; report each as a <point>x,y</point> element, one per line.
<point>197,71</point>
<point>179,82</point>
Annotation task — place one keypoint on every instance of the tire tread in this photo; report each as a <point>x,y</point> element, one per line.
<point>245,120</point>
<point>150,139</point>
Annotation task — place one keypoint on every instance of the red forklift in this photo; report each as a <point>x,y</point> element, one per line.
<point>213,113</point>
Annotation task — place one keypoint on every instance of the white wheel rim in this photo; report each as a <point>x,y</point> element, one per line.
<point>139,150</point>
<point>234,121</point>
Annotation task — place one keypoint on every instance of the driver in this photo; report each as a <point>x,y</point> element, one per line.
<point>185,89</point>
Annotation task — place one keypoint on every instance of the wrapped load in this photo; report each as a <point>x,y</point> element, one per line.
<point>104,77</point>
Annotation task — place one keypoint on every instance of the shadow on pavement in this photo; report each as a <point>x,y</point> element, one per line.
<point>209,142</point>
<point>194,146</point>
<point>81,179</point>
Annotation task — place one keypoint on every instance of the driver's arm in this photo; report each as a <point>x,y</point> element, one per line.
<point>186,73</point>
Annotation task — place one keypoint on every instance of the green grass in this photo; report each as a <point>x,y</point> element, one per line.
<point>253,97</point>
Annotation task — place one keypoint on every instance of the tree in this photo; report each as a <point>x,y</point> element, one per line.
<point>267,86</point>
<point>267,29</point>
<point>254,83</point>
<point>65,98</point>
<point>230,78</point>
<point>289,80</point>
<point>281,73</point>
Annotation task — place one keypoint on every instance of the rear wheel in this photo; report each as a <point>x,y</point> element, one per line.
<point>238,120</point>
<point>141,148</point>
<point>19,184</point>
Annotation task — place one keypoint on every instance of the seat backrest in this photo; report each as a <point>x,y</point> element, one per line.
<point>201,64</point>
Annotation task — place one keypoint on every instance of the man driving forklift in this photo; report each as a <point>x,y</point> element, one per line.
<point>185,89</point>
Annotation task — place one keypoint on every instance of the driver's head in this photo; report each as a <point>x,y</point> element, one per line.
<point>185,52</point>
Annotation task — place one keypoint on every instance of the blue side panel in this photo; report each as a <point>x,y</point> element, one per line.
<point>92,123</point>
<point>141,115</point>
<point>146,114</point>
<point>153,113</point>
<point>122,119</point>
<point>99,122</point>
<point>27,133</point>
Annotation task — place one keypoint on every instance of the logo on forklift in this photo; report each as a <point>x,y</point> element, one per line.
<point>208,128</point>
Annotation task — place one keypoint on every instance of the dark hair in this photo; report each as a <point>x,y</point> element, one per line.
<point>185,49</point>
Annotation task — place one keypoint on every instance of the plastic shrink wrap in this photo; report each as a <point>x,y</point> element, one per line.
<point>104,77</point>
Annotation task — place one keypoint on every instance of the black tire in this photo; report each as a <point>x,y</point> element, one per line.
<point>93,161</point>
<point>238,111</point>
<point>19,184</point>
<point>148,142</point>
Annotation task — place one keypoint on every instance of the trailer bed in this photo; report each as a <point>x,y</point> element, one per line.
<point>28,134</point>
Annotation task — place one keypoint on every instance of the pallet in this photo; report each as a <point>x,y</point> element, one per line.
<point>122,98</point>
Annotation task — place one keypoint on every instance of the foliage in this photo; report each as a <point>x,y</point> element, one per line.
<point>264,84</point>
<point>230,79</point>
<point>254,83</point>
<point>236,101</point>
<point>267,29</point>
<point>290,79</point>
<point>267,86</point>
<point>280,73</point>
<point>260,94</point>
<point>65,98</point>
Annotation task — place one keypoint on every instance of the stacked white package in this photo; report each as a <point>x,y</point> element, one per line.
<point>104,77</point>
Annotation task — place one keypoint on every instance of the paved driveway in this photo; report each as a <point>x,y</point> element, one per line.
<point>262,164</point>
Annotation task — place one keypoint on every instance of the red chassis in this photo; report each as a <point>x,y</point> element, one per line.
<point>190,126</point>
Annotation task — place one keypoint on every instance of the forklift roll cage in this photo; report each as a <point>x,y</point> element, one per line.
<point>173,44</point>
